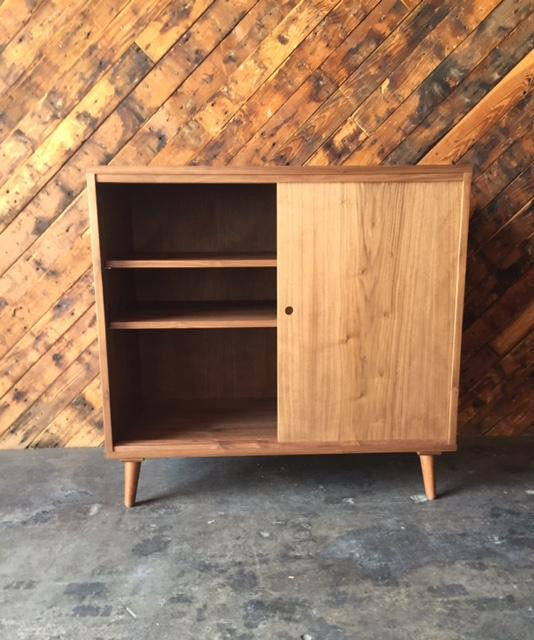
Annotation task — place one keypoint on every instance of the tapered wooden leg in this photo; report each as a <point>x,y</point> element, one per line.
<point>429,479</point>
<point>131,478</point>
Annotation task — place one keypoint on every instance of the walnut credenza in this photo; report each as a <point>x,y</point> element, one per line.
<point>272,311</point>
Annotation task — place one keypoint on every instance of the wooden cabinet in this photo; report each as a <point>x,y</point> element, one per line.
<point>279,310</point>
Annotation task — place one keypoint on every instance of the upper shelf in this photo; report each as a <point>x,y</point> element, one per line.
<point>195,261</point>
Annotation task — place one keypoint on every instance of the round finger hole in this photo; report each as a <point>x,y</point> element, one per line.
<point>289,310</point>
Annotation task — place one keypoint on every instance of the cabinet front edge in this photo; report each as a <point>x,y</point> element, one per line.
<point>416,173</point>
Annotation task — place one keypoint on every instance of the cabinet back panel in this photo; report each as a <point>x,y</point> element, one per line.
<point>372,274</point>
<point>124,363</point>
<point>175,218</point>
<point>203,284</point>
<point>114,220</point>
<point>228,363</point>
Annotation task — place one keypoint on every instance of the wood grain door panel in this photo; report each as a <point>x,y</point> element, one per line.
<point>371,272</point>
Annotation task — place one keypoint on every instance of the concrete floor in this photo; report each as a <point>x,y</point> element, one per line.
<point>331,548</point>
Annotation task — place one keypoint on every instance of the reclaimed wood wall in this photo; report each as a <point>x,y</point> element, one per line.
<point>254,82</point>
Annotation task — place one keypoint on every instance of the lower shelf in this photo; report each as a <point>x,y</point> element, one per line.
<point>203,426</point>
<point>242,427</point>
<point>201,315</point>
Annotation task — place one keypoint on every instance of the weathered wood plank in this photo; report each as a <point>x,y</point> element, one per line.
<point>162,33</point>
<point>51,23</point>
<point>41,75</point>
<point>263,108</point>
<point>98,103</point>
<point>56,95</point>
<point>43,373</point>
<point>79,424</point>
<point>496,33</point>
<point>514,241</point>
<point>14,15</point>
<point>411,72</point>
<point>384,18</point>
<point>271,52</point>
<point>483,291</point>
<point>45,332</point>
<point>58,395</point>
<point>514,332</point>
<point>29,303</point>
<point>360,84</point>
<point>77,218</point>
<point>498,316</point>
<point>501,172</point>
<point>488,221</point>
<point>515,124</point>
<point>516,366</point>
<point>519,420</point>
<point>510,396</point>
<point>199,87</point>
<point>291,104</point>
<point>37,261</point>
<point>486,113</point>
<point>246,78</point>
<point>294,82</point>
<point>117,130</point>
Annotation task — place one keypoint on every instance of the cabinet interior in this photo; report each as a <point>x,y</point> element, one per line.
<point>189,280</point>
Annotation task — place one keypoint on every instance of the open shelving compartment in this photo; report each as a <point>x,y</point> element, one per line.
<point>259,311</point>
<point>189,292</point>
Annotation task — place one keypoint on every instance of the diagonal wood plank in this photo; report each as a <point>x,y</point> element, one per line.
<point>288,111</point>
<point>117,131</point>
<point>46,331</point>
<point>497,33</point>
<point>56,397</point>
<point>14,15</point>
<point>52,19</point>
<point>254,82</point>
<point>43,373</point>
<point>36,77</point>
<point>58,93</point>
<point>79,424</point>
<point>200,86</point>
<point>73,130</point>
<point>488,111</point>
<point>255,69</point>
<point>370,74</point>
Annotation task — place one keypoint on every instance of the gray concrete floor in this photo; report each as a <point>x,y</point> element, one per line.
<point>330,548</point>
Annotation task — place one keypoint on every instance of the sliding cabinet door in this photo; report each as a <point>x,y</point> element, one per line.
<point>370,287</point>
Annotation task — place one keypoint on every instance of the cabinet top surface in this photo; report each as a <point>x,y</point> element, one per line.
<point>419,173</point>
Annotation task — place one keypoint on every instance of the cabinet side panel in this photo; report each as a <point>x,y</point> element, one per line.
<point>371,273</point>
<point>463,231</point>
<point>100,308</point>
<point>111,235</point>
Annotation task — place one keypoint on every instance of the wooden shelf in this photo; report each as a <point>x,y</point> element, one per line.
<point>228,427</point>
<point>200,315</point>
<point>204,423</point>
<point>196,261</point>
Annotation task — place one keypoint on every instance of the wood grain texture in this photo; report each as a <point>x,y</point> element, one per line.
<point>258,175</point>
<point>229,428</point>
<point>345,370</point>
<point>131,480</point>
<point>260,83</point>
<point>196,261</point>
<point>208,315</point>
<point>429,478</point>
